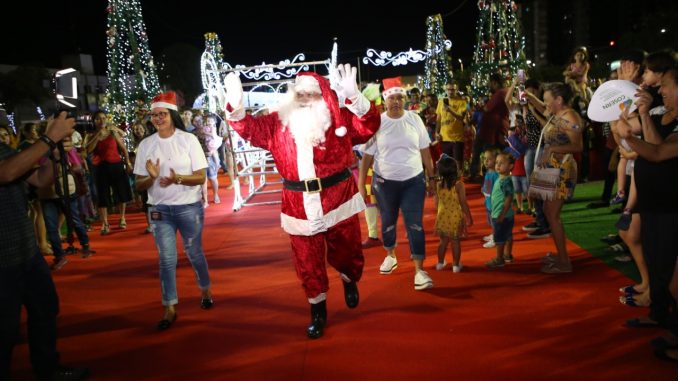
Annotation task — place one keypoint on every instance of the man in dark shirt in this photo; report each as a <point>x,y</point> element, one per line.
<point>25,278</point>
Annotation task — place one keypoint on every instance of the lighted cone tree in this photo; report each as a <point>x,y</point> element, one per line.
<point>438,68</point>
<point>500,44</point>
<point>132,78</point>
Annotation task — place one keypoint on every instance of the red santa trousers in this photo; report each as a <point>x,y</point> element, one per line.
<point>344,253</point>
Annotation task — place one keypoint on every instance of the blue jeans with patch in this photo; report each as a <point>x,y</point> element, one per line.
<point>189,220</point>
<point>408,196</point>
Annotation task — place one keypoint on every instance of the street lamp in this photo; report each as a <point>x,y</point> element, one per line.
<point>461,64</point>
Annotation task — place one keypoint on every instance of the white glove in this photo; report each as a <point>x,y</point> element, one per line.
<point>233,88</point>
<point>233,97</point>
<point>346,86</point>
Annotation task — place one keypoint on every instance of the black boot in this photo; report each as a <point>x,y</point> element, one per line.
<point>351,295</point>
<point>318,319</point>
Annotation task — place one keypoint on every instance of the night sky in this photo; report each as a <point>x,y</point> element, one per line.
<point>250,32</point>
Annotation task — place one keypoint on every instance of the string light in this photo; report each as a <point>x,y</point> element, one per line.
<point>437,66</point>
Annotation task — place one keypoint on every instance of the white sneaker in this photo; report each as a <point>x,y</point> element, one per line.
<point>489,244</point>
<point>489,237</point>
<point>422,281</point>
<point>457,269</point>
<point>441,266</point>
<point>390,263</point>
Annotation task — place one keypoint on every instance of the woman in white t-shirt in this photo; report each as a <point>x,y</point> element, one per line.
<point>171,165</point>
<point>400,153</point>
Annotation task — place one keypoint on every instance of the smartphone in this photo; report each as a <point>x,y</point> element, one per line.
<point>521,76</point>
<point>522,97</point>
<point>446,101</point>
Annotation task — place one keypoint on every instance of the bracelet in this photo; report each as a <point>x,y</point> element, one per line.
<point>45,139</point>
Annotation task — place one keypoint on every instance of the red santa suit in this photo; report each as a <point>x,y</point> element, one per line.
<point>328,218</point>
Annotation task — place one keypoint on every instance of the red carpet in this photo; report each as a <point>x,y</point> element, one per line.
<point>513,323</point>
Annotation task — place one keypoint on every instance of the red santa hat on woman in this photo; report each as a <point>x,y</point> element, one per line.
<point>166,100</point>
<point>313,83</point>
<point>393,86</point>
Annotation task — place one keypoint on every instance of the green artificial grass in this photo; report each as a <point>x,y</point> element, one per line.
<point>586,226</point>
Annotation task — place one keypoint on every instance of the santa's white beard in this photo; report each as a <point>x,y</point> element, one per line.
<point>308,122</point>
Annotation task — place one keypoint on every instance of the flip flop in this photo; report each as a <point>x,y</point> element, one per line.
<point>638,323</point>
<point>629,290</point>
<point>628,301</point>
<point>618,248</point>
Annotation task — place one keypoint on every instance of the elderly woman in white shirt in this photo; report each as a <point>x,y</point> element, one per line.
<point>403,172</point>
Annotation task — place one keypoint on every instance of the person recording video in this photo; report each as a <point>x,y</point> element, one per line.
<point>25,278</point>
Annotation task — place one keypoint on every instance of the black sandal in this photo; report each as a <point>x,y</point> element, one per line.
<point>206,303</point>
<point>166,323</point>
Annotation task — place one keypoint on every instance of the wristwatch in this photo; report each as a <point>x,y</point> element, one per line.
<point>179,179</point>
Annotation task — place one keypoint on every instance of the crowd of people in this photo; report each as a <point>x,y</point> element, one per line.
<point>406,148</point>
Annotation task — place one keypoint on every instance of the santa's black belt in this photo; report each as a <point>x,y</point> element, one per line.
<point>317,184</point>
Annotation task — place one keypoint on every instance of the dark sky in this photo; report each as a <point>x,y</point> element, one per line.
<point>250,32</point>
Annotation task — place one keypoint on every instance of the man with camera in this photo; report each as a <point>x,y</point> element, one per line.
<point>452,113</point>
<point>25,278</point>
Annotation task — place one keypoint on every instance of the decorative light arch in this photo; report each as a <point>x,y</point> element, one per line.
<point>385,58</point>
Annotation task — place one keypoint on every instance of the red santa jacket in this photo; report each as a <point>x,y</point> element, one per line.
<point>311,213</point>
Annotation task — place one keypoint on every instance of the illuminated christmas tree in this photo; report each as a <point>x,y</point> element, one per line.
<point>437,66</point>
<point>132,78</point>
<point>500,44</point>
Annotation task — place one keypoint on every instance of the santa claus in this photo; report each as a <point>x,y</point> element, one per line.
<point>311,140</point>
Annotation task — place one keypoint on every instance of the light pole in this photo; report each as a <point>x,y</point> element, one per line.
<point>461,64</point>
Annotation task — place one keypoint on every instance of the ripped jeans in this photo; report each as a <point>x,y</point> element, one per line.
<point>165,221</point>
<point>408,196</point>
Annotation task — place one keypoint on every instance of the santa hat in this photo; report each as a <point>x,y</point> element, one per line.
<point>166,100</point>
<point>312,82</point>
<point>392,86</point>
<point>306,83</point>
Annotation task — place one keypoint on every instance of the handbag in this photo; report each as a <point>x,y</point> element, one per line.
<point>544,181</point>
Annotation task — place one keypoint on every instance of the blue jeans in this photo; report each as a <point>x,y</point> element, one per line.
<point>407,196</point>
<point>50,211</point>
<point>29,285</point>
<point>189,220</point>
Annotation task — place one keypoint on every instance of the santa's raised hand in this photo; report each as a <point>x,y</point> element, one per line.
<point>235,109</point>
<point>345,85</point>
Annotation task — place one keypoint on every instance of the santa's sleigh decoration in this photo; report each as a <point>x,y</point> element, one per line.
<point>252,163</point>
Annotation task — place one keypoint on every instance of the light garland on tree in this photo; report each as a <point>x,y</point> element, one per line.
<point>437,67</point>
<point>500,44</point>
<point>130,68</point>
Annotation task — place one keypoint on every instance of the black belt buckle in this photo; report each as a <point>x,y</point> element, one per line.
<point>309,185</point>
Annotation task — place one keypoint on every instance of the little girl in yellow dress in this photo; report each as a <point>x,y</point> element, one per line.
<point>454,215</point>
